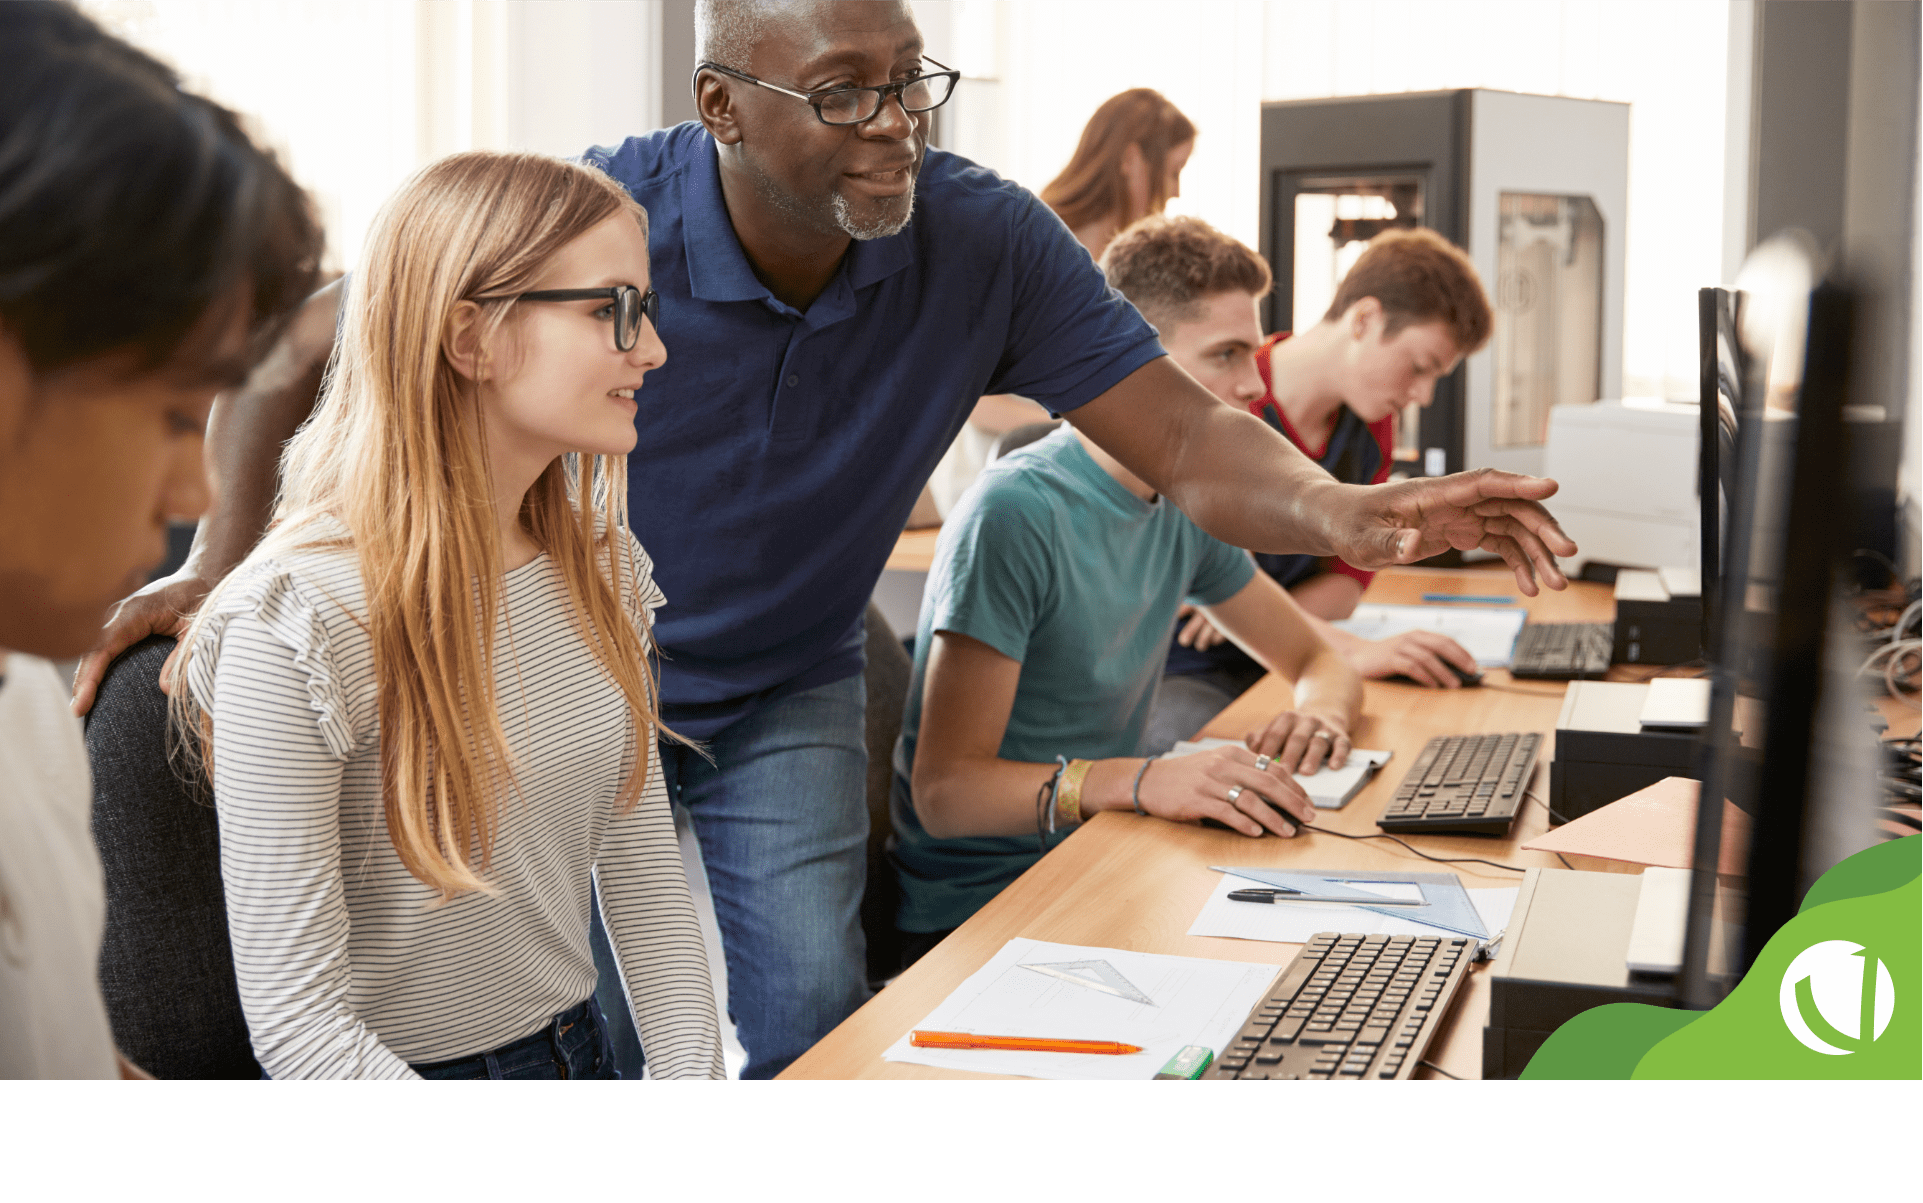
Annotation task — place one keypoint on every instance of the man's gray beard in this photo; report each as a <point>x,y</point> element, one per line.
<point>885,226</point>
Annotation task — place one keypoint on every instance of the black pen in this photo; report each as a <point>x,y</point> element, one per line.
<point>1284,894</point>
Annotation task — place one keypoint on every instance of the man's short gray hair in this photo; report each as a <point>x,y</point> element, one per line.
<point>725,31</point>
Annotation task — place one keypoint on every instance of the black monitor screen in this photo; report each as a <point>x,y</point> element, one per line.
<point>1787,510</point>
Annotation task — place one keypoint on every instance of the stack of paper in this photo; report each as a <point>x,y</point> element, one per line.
<point>1328,788</point>
<point>1090,994</point>
<point>1487,633</point>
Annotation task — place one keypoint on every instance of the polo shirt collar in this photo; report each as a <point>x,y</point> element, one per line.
<point>718,268</point>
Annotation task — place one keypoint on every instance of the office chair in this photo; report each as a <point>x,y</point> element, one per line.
<point>1021,436</point>
<point>886,676</point>
<point>166,967</point>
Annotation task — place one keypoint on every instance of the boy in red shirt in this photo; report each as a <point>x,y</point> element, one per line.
<point>1406,314</point>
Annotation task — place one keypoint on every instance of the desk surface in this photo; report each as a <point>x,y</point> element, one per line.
<point>1125,881</point>
<point>914,550</point>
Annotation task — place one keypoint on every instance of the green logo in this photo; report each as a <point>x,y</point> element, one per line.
<point>1837,998</point>
<point>1833,994</point>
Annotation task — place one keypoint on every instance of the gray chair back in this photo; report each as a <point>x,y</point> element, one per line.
<point>886,677</point>
<point>166,967</point>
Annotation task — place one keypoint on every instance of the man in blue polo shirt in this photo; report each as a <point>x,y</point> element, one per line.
<point>835,298</point>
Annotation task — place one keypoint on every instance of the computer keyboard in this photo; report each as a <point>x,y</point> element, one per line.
<point>1464,784</point>
<point>1563,650</point>
<point>1349,1008</point>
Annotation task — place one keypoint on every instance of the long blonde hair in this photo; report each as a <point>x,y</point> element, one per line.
<point>395,452</point>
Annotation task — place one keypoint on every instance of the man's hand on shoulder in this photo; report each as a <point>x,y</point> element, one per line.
<point>1487,509</point>
<point>164,607</point>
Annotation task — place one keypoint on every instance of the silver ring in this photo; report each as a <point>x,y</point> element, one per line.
<point>1322,735</point>
<point>1235,791</point>
<point>1263,761</point>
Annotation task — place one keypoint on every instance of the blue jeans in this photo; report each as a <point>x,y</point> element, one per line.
<point>573,1045</point>
<point>782,820</point>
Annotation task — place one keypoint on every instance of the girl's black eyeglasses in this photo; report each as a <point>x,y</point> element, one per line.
<point>630,306</point>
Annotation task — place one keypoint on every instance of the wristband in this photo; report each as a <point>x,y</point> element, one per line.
<point>1068,798</point>
<point>1135,792</point>
<point>1045,805</point>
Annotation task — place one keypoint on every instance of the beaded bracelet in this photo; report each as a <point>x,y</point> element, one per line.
<point>1135,792</point>
<point>1045,805</point>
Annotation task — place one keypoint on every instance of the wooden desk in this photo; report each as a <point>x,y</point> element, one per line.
<point>914,550</point>
<point>1124,881</point>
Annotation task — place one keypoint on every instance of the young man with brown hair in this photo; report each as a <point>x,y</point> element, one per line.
<point>1044,624</point>
<point>1406,314</point>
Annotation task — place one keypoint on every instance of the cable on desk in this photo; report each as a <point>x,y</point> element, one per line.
<point>1528,794</point>
<point>1445,1073</point>
<point>1440,860</point>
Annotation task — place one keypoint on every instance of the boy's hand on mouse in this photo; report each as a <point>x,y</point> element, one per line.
<point>1300,741</point>
<point>1422,656</point>
<point>1233,786</point>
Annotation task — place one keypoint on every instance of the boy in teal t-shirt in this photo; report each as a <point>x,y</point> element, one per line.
<point>1042,636</point>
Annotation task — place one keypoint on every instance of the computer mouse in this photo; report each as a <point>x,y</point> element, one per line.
<point>1467,679</point>
<point>1295,824</point>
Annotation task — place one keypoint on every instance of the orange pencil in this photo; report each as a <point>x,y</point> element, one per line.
<point>1022,1044</point>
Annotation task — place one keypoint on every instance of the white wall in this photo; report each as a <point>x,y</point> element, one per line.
<point>1056,60</point>
<point>1037,70</point>
<point>358,94</point>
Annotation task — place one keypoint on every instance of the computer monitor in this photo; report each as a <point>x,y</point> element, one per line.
<point>1787,515</point>
<point>1719,397</point>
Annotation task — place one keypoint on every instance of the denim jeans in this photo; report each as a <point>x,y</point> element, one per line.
<point>573,1045</point>
<point>782,820</point>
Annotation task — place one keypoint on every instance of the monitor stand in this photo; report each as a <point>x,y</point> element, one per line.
<point>1568,948</point>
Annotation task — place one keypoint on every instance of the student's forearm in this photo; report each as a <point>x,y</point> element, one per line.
<point>1328,686</point>
<point>997,797</point>
<point>1333,635</point>
<point>1329,595</point>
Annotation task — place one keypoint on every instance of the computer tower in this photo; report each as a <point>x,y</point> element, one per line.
<point>1535,188</point>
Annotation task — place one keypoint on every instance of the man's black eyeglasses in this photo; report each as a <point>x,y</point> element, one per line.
<point>852,106</point>
<point>630,306</point>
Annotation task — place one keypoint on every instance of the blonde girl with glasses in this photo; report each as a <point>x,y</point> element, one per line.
<point>426,698</point>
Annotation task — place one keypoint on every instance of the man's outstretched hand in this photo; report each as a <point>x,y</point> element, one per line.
<point>1495,511</point>
<point>162,608</point>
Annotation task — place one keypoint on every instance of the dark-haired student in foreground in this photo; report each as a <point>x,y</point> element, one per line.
<point>126,300</point>
<point>1408,311</point>
<point>836,297</point>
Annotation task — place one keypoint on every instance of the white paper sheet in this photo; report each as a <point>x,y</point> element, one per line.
<point>1298,922</point>
<point>1329,789</point>
<point>1196,1001</point>
<point>1489,634</point>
